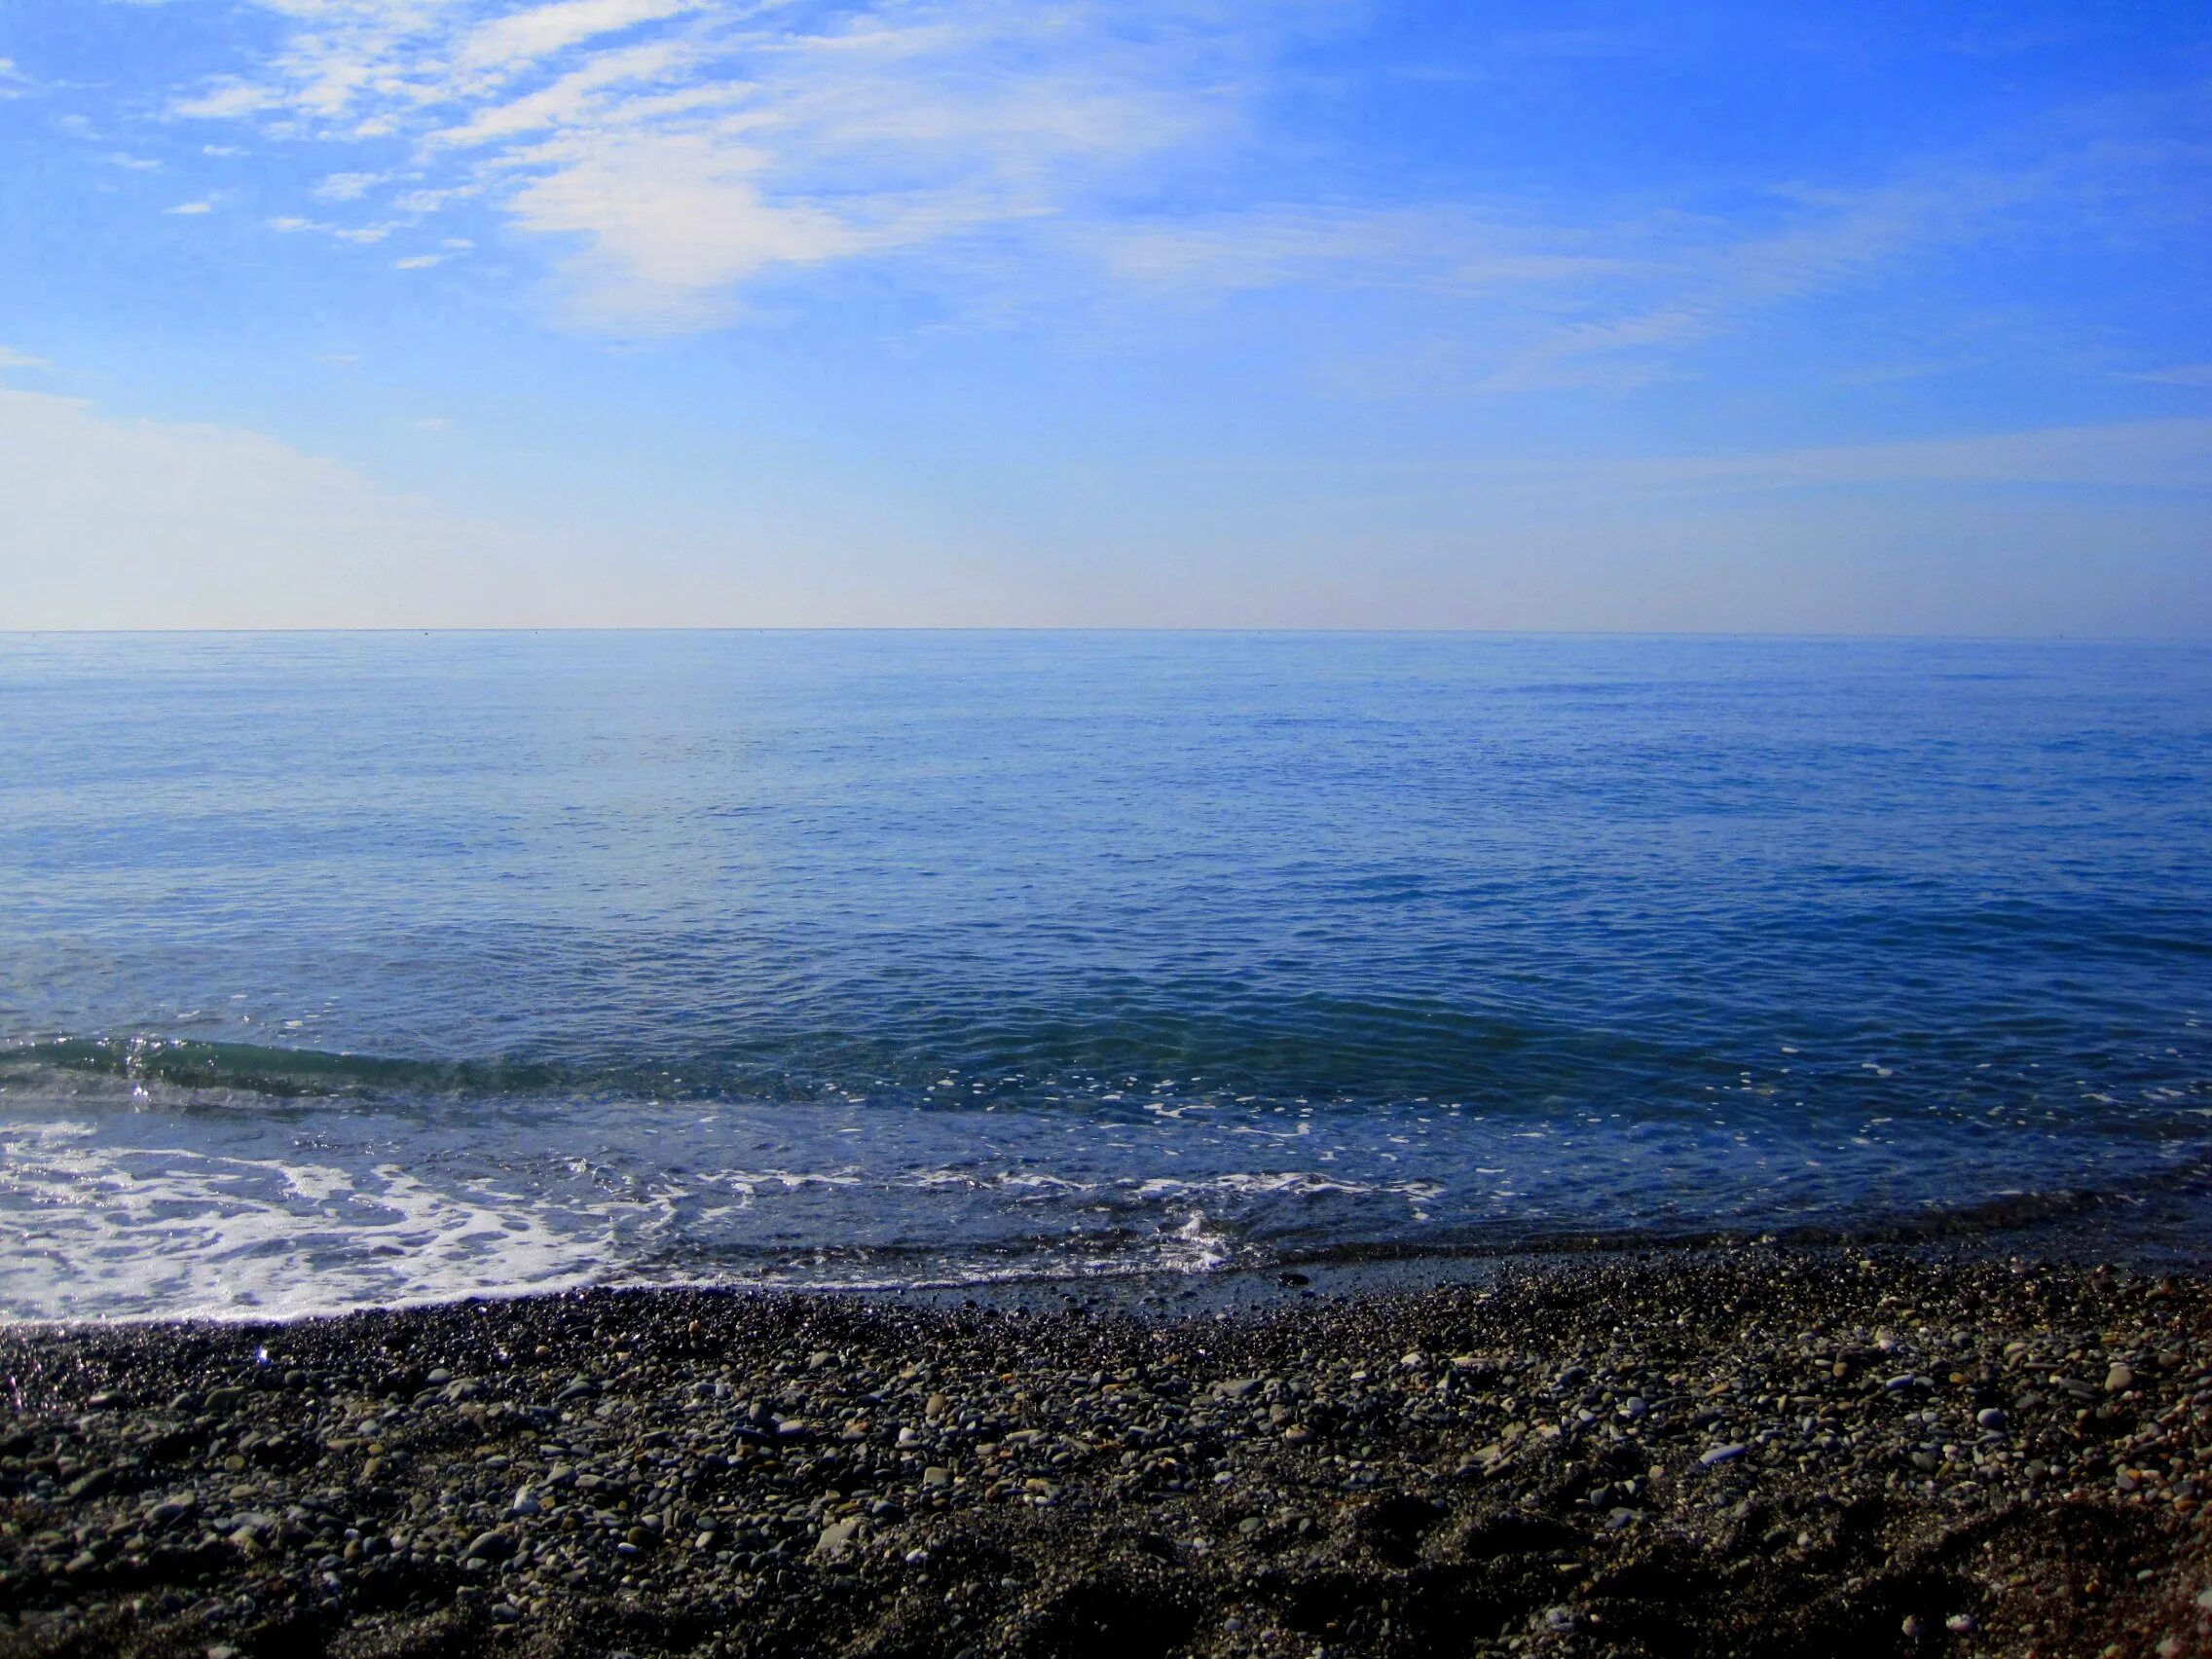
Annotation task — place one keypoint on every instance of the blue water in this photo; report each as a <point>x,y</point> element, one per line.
<point>350,968</point>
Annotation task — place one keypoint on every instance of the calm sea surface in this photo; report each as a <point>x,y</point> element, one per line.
<point>350,968</point>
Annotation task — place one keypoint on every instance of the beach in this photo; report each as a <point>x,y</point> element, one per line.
<point>1752,1449</point>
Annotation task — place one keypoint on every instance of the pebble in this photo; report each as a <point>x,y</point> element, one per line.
<point>776,1458</point>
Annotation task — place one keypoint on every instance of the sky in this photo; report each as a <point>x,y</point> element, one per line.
<point>1683,315</point>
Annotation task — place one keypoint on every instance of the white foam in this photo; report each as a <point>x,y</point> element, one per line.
<point>112,1212</point>
<point>1294,1183</point>
<point>174,1233</point>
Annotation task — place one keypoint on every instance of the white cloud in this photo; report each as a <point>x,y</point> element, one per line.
<point>346,186</point>
<point>674,221</point>
<point>575,96</point>
<point>682,148</point>
<point>419,262</point>
<point>672,154</point>
<point>18,361</point>
<point>190,209</point>
<point>229,99</point>
<point>356,234</point>
<point>523,37</point>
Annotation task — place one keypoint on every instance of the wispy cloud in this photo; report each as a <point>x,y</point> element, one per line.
<point>1708,277</point>
<point>675,156</point>
<point>2124,455</point>
<point>346,186</point>
<point>2180,374</point>
<point>2132,455</point>
<point>539,32</point>
<point>1445,250</point>
<point>682,148</point>
<point>10,359</point>
<point>1603,303</point>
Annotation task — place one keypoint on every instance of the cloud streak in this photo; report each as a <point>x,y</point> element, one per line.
<point>2125,455</point>
<point>682,148</point>
<point>2179,374</point>
<point>683,162</point>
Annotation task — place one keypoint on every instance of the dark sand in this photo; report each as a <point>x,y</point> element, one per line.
<point>1759,1450</point>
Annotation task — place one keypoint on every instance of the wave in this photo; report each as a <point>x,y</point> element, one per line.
<point>1309,1048</point>
<point>277,1072</point>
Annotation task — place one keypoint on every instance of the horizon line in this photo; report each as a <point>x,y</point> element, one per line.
<point>1807,634</point>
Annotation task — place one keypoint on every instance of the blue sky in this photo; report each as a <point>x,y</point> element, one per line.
<point>1311,312</point>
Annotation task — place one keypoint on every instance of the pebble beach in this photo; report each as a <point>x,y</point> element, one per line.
<point>1754,1451</point>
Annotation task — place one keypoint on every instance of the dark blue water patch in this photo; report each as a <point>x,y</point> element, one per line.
<point>1530,936</point>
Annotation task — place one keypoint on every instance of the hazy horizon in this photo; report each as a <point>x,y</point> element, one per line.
<point>959,313</point>
<point>1777,635</point>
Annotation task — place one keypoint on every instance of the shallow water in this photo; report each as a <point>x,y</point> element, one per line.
<point>345,969</point>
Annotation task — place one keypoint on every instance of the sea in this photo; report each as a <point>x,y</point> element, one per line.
<point>345,970</point>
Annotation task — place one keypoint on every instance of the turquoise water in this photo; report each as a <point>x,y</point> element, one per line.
<point>363,968</point>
